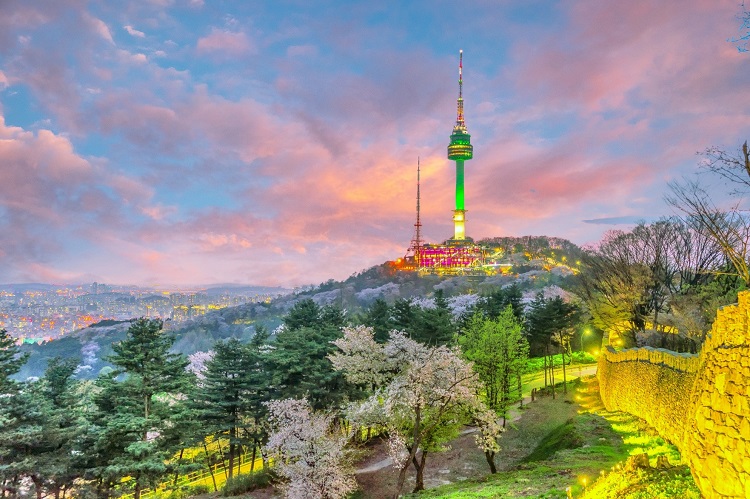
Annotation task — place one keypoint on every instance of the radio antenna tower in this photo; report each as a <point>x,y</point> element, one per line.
<point>416,243</point>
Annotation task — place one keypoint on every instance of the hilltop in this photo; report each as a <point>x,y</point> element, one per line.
<point>533,263</point>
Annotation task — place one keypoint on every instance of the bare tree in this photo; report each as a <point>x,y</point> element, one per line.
<point>733,167</point>
<point>744,38</point>
<point>631,279</point>
<point>729,228</point>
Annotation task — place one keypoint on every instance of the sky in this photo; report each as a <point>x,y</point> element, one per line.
<point>184,142</point>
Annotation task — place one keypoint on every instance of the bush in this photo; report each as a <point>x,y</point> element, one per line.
<point>196,490</point>
<point>248,482</point>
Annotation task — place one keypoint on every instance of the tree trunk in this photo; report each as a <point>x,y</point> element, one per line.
<point>419,465</point>
<point>210,469</point>
<point>137,491</point>
<point>231,455</point>
<point>177,473</point>
<point>223,459</point>
<point>520,390</point>
<point>252,463</point>
<point>412,451</point>
<point>546,353</point>
<point>490,457</point>
<point>565,379</point>
<point>37,486</point>
<point>552,374</point>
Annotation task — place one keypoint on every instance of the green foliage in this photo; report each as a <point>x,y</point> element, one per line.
<point>229,400</point>
<point>242,484</point>
<point>535,364</point>
<point>138,420</point>
<point>43,429</point>
<point>495,303</point>
<point>405,316</point>
<point>498,351</point>
<point>433,326</point>
<point>378,317</point>
<point>11,361</point>
<point>298,365</point>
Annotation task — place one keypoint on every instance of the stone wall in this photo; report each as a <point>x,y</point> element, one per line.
<point>700,403</point>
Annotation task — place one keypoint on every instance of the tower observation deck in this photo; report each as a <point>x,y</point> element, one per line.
<point>460,150</point>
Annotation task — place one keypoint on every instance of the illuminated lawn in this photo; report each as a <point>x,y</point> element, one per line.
<point>576,444</point>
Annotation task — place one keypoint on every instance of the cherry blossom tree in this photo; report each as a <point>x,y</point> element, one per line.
<point>423,395</point>
<point>309,451</point>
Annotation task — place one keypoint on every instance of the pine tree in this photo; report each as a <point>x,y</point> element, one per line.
<point>11,361</point>
<point>298,363</point>
<point>220,400</point>
<point>434,326</point>
<point>136,413</point>
<point>378,317</point>
<point>45,421</point>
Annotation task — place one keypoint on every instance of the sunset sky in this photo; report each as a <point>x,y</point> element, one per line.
<point>184,142</point>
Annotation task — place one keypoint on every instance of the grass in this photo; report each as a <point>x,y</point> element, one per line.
<point>573,445</point>
<point>536,364</point>
<point>565,436</point>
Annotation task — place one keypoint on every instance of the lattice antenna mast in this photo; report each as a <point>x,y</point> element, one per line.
<point>418,225</point>
<point>416,243</point>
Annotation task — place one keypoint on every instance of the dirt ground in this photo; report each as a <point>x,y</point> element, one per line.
<point>464,460</point>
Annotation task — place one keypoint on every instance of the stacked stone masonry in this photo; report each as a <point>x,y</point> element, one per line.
<point>700,403</point>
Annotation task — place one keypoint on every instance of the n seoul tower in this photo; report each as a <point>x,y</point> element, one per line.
<point>460,150</point>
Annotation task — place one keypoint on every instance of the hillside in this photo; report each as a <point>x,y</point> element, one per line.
<point>537,262</point>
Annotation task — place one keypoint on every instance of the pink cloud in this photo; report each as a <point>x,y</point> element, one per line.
<point>134,32</point>
<point>99,27</point>
<point>225,42</point>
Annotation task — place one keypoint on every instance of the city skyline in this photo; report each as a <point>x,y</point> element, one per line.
<point>187,142</point>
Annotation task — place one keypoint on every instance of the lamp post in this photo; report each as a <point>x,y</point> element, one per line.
<point>584,333</point>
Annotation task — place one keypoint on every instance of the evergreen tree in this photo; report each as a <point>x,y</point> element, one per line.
<point>304,313</point>
<point>493,304</point>
<point>40,438</point>
<point>378,317</point>
<point>136,414</point>
<point>434,326</point>
<point>298,363</point>
<point>11,361</point>
<point>300,368</point>
<point>549,323</point>
<point>404,315</point>
<point>220,399</point>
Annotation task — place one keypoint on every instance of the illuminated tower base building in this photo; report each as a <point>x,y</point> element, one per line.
<point>460,150</point>
<point>458,255</point>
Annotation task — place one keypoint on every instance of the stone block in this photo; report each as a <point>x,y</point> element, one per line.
<point>745,429</point>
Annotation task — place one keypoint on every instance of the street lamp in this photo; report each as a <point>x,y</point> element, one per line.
<point>584,333</point>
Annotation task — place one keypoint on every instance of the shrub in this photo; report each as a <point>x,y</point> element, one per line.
<point>196,490</point>
<point>248,482</point>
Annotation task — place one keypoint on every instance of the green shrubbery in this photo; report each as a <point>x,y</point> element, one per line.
<point>537,363</point>
<point>247,482</point>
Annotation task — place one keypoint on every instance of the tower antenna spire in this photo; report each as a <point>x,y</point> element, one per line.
<point>460,111</point>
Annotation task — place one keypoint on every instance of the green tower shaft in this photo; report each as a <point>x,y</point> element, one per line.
<point>460,150</point>
<point>460,184</point>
